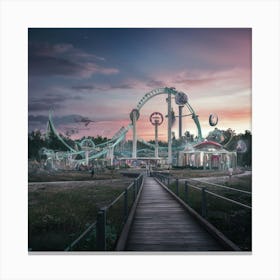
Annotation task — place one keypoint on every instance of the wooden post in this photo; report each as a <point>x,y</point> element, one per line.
<point>101,230</point>
<point>168,181</point>
<point>177,187</point>
<point>203,203</point>
<point>134,189</point>
<point>125,206</point>
<point>137,186</point>
<point>186,192</point>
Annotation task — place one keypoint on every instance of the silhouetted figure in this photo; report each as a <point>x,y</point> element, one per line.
<point>92,172</point>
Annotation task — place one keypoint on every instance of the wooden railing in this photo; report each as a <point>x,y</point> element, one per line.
<point>228,209</point>
<point>102,234</point>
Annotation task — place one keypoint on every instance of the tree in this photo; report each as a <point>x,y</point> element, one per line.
<point>35,143</point>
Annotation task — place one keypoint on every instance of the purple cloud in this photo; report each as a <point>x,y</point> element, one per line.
<point>64,60</point>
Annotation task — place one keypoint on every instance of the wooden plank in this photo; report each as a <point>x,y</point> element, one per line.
<point>162,224</point>
<point>204,223</point>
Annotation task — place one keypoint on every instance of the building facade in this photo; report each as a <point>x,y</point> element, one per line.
<point>207,155</point>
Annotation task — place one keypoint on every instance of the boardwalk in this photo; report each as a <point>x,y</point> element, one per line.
<point>162,224</point>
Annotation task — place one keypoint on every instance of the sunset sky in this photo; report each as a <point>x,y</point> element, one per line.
<point>101,74</point>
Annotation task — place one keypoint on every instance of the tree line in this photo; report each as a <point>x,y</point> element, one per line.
<point>37,141</point>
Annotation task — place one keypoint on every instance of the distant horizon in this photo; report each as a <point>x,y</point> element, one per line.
<point>101,74</point>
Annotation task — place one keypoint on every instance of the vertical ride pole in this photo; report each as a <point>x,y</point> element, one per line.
<point>169,161</point>
<point>111,156</point>
<point>156,140</point>
<point>134,143</point>
<point>86,157</point>
<point>180,121</point>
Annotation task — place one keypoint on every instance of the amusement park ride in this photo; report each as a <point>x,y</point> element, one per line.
<point>86,151</point>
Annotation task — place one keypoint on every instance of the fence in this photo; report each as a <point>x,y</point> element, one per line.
<point>102,234</point>
<point>228,209</point>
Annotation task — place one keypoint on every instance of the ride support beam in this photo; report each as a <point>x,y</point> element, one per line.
<point>86,157</point>
<point>134,142</point>
<point>156,140</point>
<point>169,160</point>
<point>112,155</point>
<point>180,121</point>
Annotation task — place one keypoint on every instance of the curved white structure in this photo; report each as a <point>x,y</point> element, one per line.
<point>108,147</point>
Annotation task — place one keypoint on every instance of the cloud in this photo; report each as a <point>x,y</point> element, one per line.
<point>50,100</point>
<point>123,86</point>
<point>46,49</point>
<point>58,120</point>
<point>103,87</point>
<point>156,83</point>
<point>201,82</point>
<point>38,119</point>
<point>42,106</point>
<point>64,60</point>
<point>47,65</point>
<point>83,87</point>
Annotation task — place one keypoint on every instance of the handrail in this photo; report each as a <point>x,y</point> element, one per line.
<point>204,222</point>
<point>222,197</point>
<point>81,236</point>
<point>211,193</point>
<point>197,203</point>
<point>119,197</point>
<point>94,224</point>
<point>221,186</point>
<point>228,199</point>
<point>204,182</point>
<point>195,187</point>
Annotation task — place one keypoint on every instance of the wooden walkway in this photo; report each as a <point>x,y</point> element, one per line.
<point>162,224</point>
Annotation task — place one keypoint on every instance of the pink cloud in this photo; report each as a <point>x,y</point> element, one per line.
<point>199,81</point>
<point>90,68</point>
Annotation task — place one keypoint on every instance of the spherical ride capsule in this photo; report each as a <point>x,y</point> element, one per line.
<point>136,112</point>
<point>241,147</point>
<point>181,98</point>
<point>213,119</point>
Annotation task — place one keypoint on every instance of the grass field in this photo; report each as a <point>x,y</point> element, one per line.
<point>59,212</point>
<point>71,175</point>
